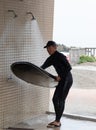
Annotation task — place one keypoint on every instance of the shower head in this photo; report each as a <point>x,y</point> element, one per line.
<point>33,18</point>
<point>15,15</point>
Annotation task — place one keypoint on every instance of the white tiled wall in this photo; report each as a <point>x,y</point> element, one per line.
<point>22,39</point>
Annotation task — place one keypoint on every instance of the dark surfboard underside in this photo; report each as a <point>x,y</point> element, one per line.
<point>33,74</point>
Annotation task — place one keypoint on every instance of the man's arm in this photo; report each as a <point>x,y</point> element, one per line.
<point>47,63</point>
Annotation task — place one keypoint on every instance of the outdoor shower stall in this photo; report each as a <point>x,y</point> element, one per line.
<point>25,27</point>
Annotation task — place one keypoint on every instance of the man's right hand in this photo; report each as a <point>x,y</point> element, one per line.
<point>58,78</point>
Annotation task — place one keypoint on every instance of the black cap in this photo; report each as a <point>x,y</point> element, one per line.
<point>50,43</point>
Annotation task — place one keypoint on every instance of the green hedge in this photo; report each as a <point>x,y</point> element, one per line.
<point>84,59</point>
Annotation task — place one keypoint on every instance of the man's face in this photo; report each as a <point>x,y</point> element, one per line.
<point>51,49</point>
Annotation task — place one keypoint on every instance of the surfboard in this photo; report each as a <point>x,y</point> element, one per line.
<point>33,74</point>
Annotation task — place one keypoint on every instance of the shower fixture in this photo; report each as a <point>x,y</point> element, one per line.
<point>15,15</point>
<point>33,18</point>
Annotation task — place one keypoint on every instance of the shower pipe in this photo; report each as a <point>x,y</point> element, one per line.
<point>15,15</point>
<point>33,18</point>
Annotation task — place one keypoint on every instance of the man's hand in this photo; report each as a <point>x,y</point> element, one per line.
<point>58,78</point>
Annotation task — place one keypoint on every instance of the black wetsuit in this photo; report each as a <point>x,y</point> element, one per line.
<point>63,68</point>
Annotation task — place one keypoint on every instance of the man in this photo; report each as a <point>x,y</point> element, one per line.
<point>64,80</point>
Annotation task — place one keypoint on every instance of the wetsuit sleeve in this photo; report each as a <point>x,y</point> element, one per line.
<point>47,63</point>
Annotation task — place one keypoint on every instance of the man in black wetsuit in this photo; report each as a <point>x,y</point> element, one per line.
<point>64,79</point>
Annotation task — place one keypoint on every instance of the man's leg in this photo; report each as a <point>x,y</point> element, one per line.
<point>56,101</point>
<point>60,95</point>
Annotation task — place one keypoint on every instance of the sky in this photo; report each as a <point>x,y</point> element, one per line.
<point>75,23</point>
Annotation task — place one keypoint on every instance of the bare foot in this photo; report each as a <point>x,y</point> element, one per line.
<point>55,123</point>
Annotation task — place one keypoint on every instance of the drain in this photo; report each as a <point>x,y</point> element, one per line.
<point>14,128</point>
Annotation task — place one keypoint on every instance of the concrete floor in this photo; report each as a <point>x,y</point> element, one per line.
<point>81,105</point>
<point>81,99</point>
<point>40,123</point>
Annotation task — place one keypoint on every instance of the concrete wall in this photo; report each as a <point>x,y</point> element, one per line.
<point>22,39</point>
<point>75,54</point>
